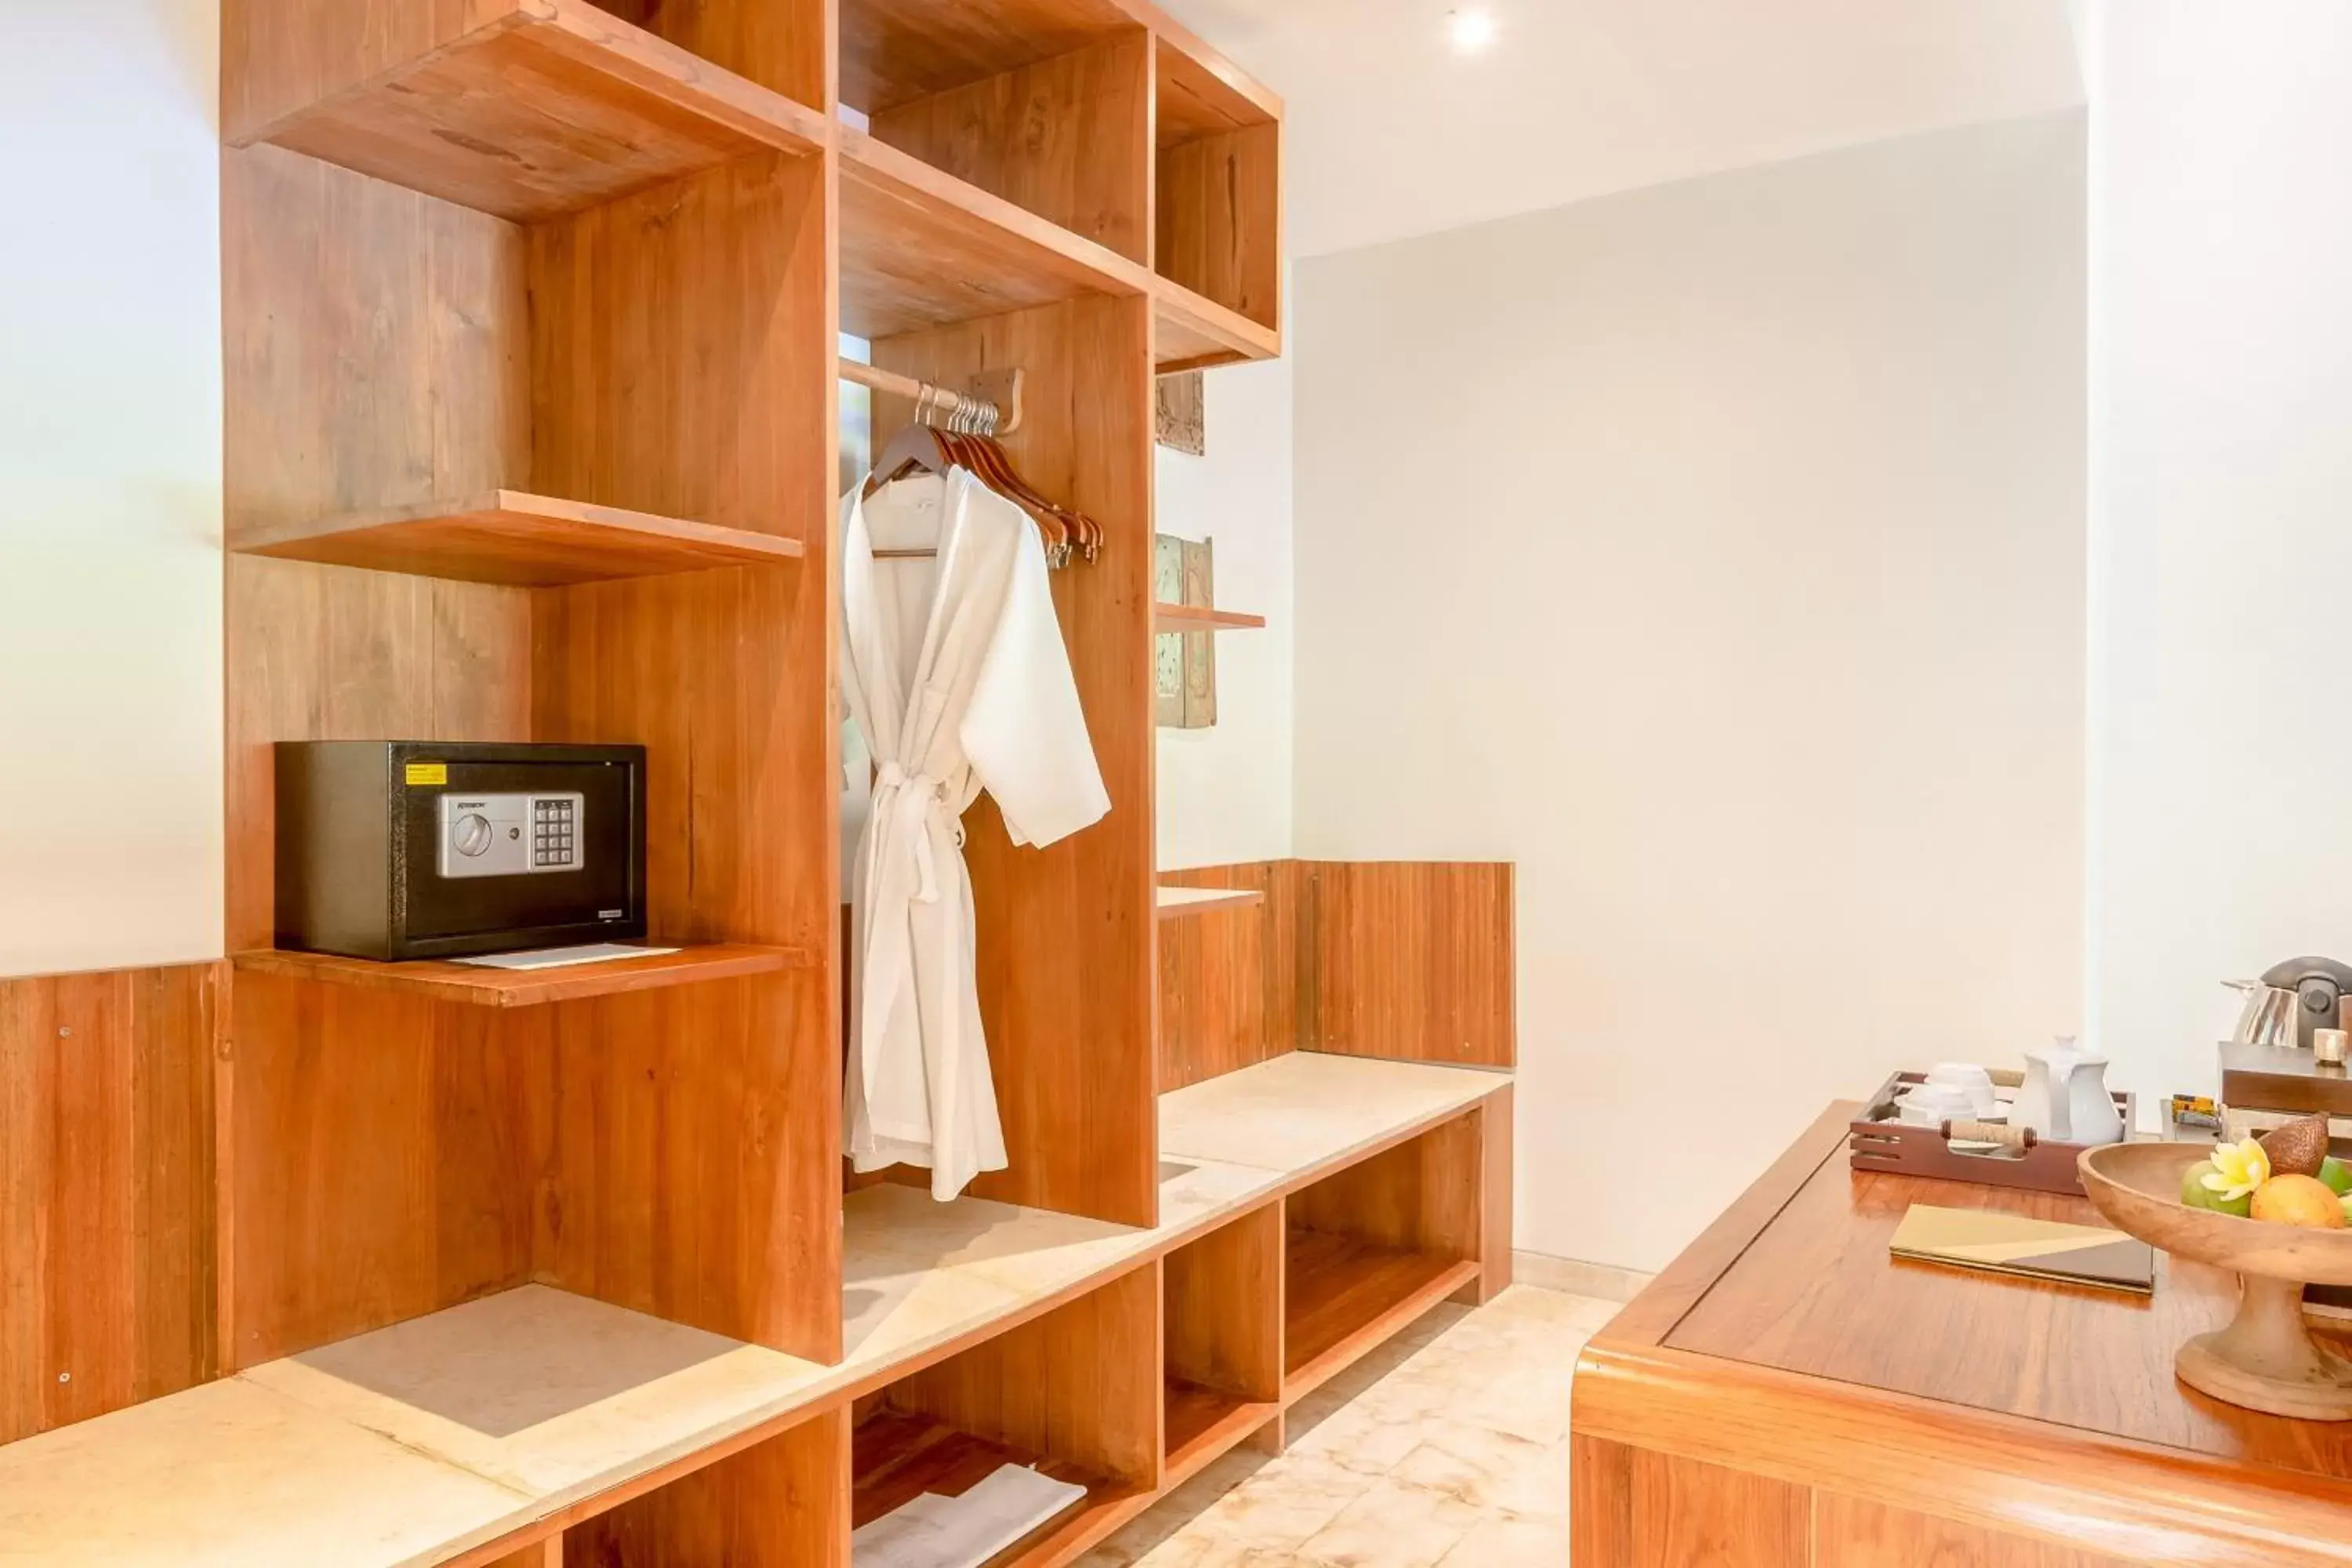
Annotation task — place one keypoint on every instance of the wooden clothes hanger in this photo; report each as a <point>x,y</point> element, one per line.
<point>965,441</point>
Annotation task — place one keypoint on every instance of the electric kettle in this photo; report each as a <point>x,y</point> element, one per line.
<point>2319,985</point>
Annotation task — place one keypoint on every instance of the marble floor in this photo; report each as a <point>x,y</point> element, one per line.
<point>1449,1446</point>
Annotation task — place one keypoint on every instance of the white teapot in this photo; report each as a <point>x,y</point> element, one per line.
<point>2065,1096</point>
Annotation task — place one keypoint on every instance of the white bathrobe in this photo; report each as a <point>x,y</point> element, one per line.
<point>959,681</point>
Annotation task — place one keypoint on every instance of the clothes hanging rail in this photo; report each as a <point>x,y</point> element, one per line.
<point>991,403</point>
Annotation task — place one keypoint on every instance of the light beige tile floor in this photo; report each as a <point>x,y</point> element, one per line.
<point>1447,1447</point>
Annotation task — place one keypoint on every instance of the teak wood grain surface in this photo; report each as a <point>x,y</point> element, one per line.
<point>1065,138</point>
<point>107,1269</point>
<point>2033,1425</point>
<point>1404,960</point>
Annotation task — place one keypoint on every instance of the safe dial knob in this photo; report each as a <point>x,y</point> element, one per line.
<point>473,833</point>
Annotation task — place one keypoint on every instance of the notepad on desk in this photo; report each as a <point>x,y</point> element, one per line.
<point>2028,1248</point>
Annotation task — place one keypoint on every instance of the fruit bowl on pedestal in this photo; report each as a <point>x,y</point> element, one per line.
<point>2266,1359</point>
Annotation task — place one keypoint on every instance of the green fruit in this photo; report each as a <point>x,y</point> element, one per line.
<point>2198,1195</point>
<point>2193,1183</point>
<point>2337,1174</point>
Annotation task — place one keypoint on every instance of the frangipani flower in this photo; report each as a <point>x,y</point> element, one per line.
<point>2238,1169</point>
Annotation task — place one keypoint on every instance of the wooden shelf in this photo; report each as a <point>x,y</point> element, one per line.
<point>1176,901</point>
<point>550,107</point>
<point>896,1458</point>
<point>1197,334</point>
<point>1198,619</point>
<point>922,248</point>
<point>474,986</point>
<point>1203,1423</point>
<point>527,540</point>
<point>1345,1297</point>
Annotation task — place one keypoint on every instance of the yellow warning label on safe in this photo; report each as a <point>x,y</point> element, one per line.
<point>428,772</point>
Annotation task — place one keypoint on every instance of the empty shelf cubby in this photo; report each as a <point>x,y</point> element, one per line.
<point>1372,1247</point>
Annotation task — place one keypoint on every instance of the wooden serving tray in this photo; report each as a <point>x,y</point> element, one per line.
<point>1877,1140</point>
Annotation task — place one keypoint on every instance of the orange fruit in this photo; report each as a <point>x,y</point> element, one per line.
<point>2299,1200</point>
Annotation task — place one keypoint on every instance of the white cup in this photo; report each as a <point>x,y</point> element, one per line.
<point>1930,1105</point>
<point>1969,1081</point>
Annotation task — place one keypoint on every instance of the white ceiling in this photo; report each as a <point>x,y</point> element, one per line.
<point>1391,133</point>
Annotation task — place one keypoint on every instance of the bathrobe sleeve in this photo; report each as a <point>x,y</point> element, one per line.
<point>1023,731</point>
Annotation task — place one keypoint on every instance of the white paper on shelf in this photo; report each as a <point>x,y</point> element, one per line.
<point>935,1532</point>
<point>561,957</point>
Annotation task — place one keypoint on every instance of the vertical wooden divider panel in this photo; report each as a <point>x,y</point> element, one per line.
<point>1064,138</point>
<point>105,1198</point>
<point>780,1503</point>
<point>1229,981</point>
<point>1223,1296</point>
<point>1066,933</point>
<point>683,345</point>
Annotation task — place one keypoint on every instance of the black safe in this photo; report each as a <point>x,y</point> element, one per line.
<point>396,849</point>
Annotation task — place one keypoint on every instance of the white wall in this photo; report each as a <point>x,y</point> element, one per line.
<point>1715,551</point>
<point>110,485</point>
<point>1225,792</point>
<point>2221,511</point>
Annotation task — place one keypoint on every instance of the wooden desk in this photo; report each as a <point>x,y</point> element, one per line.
<point>1786,1396</point>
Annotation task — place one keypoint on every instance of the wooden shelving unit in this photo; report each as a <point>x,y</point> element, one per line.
<point>526,109</point>
<point>1199,619</point>
<point>522,540</point>
<point>531,426</point>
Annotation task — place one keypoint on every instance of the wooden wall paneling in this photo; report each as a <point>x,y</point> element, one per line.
<point>1849,1533</point>
<point>1081,1384</point>
<point>691,1171</point>
<point>384,1164</point>
<point>781,1503</point>
<point>1223,1313</point>
<point>1218,224</point>
<point>1412,961</point>
<point>106,1202</point>
<point>1067,933</point>
<point>1068,138</point>
<point>1228,990</point>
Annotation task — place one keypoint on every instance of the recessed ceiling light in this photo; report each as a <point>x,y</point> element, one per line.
<point>1472,27</point>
